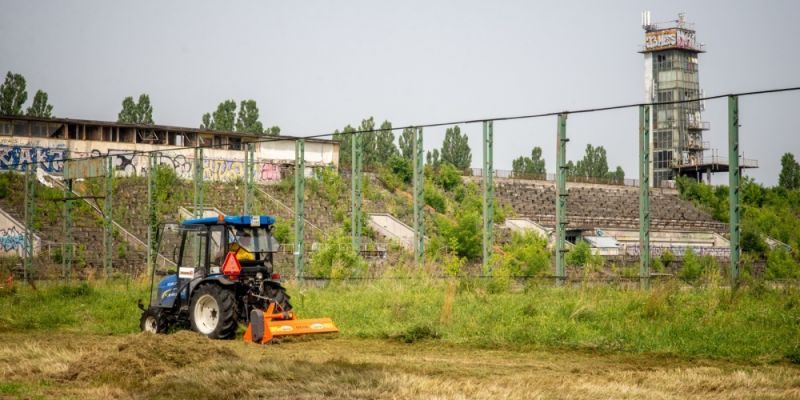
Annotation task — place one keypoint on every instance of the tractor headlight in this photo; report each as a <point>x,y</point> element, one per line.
<point>259,276</point>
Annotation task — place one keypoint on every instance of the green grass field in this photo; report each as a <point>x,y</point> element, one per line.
<point>416,338</point>
<point>754,323</point>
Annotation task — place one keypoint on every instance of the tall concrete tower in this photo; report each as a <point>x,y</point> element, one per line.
<point>671,69</point>
<point>671,74</point>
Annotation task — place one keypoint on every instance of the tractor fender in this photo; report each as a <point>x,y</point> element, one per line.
<point>218,279</point>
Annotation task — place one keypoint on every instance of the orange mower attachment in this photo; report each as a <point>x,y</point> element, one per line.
<point>264,325</point>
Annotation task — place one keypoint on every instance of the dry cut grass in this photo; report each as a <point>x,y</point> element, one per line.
<point>186,365</point>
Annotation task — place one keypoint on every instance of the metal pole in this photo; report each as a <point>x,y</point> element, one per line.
<point>419,200</point>
<point>198,182</point>
<point>108,227</point>
<point>151,211</point>
<point>488,194</point>
<point>561,198</point>
<point>734,176</point>
<point>299,211</point>
<point>644,196</point>
<point>357,169</point>
<point>30,208</point>
<point>66,257</point>
<point>249,178</point>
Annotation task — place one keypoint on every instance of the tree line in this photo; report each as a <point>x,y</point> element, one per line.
<point>14,94</point>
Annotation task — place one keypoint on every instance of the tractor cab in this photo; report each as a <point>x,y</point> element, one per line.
<point>207,244</point>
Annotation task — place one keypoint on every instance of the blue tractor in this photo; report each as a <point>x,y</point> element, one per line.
<point>223,276</point>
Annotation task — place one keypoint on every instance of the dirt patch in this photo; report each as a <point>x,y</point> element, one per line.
<point>143,356</point>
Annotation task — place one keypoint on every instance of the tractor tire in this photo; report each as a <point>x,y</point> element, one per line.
<point>212,312</point>
<point>278,293</point>
<point>152,321</point>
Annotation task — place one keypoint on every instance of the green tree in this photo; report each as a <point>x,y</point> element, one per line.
<point>617,176</point>
<point>145,110</point>
<point>455,148</point>
<point>224,119</point>
<point>40,108</point>
<point>384,144</point>
<point>594,163</point>
<point>247,121</point>
<point>345,139</point>
<point>790,172</point>
<point>368,141</point>
<point>273,131</point>
<point>136,113</point>
<point>207,122</point>
<point>407,143</point>
<point>432,158</point>
<point>13,94</point>
<point>533,165</point>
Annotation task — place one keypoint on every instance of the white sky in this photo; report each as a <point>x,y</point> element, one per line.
<point>315,66</point>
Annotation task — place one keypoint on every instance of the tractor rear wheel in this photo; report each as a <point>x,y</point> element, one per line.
<point>278,294</point>
<point>212,312</point>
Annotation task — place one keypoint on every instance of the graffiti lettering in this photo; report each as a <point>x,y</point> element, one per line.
<point>17,158</point>
<point>11,239</point>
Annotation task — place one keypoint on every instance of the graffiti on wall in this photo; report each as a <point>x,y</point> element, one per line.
<point>11,239</point>
<point>17,158</point>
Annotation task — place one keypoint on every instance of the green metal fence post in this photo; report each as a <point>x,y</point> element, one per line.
<point>299,207</point>
<point>198,182</point>
<point>488,194</point>
<point>30,209</point>
<point>152,164</point>
<point>734,176</point>
<point>561,198</point>
<point>357,172</point>
<point>644,196</point>
<point>66,257</point>
<point>419,200</point>
<point>249,177</point>
<point>108,227</point>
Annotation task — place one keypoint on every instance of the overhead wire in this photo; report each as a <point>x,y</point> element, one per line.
<point>435,124</point>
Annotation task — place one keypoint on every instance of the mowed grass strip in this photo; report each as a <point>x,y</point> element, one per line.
<point>187,365</point>
<point>754,324</point>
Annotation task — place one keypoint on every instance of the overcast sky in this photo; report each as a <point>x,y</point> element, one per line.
<point>315,66</point>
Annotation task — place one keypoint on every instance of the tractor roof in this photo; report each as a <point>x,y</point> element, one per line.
<point>231,220</point>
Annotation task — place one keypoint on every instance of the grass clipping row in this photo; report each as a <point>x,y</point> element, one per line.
<point>145,355</point>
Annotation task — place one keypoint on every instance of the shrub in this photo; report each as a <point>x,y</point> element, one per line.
<point>452,263</point>
<point>466,232</point>
<point>780,265</point>
<point>337,259</point>
<point>282,231</point>
<point>434,198</point>
<point>525,255</point>
<point>691,267</point>
<point>667,258</point>
<point>581,256</point>
<point>401,168</point>
<point>695,267</point>
<point>448,177</point>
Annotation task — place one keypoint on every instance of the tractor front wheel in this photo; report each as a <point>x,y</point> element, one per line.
<point>152,321</point>
<point>212,312</point>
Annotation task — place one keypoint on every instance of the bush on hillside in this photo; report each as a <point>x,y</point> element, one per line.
<point>336,259</point>
<point>525,255</point>
<point>780,265</point>
<point>447,177</point>
<point>434,198</point>
<point>581,256</point>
